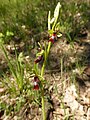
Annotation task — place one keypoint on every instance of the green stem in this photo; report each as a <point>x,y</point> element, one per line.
<point>42,72</point>
<point>42,92</point>
<point>48,49</point>
<point>43,106</point>
<point>46,56</point>
<point>43,67</point>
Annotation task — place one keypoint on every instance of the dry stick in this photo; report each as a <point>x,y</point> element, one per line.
<point>88,114</point>
<point>61,61</point>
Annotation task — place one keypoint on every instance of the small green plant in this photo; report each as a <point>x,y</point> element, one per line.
<point>42,54</point>
<point>5,38</point>
<point>17,69</point>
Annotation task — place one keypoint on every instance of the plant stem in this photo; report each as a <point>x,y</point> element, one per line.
<point>43,67</point>
<point>42,92</point>
<point>43,106</point>
<point>42,72</point>
<point>48,49</point>
<point>46,56</point>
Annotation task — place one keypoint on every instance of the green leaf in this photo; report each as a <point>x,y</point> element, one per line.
<point>8,33</point>
<point>40,53</point>
<point>52,20</point>
<point>1,41</point>
<point>40,45</point>
<point>56,11</point>
<point>1,35</point>
<point>56,14</point>
<point>20,57</point>
<point>59,35</point>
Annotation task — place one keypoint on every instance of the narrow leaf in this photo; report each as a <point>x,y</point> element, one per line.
<point>56,11</point>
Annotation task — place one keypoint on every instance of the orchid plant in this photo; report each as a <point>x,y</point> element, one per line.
<point>42,55</point>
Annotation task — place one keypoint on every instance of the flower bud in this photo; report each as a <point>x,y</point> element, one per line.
<point>39,58</point>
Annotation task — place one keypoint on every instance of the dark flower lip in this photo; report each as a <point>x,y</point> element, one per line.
<point>38,59</point>
<point>53,38</point>
<point>36,83</point>
<point>36,86</point>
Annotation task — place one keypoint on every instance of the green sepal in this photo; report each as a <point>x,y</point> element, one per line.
<point>40,53</point>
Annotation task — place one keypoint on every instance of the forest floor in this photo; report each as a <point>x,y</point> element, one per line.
<point>70,80</point>
<point>68,76</point>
